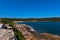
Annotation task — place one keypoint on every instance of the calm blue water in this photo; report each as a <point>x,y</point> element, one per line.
<point>45,27</point>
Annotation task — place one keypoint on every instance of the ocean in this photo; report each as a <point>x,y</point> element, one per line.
<point>44,27</point>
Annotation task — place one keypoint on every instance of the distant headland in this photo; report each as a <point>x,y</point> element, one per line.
<point>53,19</point>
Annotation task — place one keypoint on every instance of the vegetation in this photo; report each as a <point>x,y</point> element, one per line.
<point>17,32</point>
<point>33,19</point>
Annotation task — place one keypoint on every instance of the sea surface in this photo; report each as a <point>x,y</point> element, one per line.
<point>44,27</point>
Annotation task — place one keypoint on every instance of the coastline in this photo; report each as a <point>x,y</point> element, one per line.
<point>31,29</point>
<point>30,34</point>
<point>27,32</point>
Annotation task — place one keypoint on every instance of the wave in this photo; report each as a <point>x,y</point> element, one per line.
<point>31,29</point>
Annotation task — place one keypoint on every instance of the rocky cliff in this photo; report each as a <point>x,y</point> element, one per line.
<point>32,35</point>
<point>27,32</point>
<point>6,34</point>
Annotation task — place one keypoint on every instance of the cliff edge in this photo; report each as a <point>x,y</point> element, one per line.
<point>32,35</point>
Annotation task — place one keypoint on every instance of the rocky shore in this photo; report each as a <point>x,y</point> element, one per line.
<point>32,35</point>
<point>27,32</point>
<point>47,36</point>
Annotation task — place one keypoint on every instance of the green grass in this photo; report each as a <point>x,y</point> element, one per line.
<point>19,35</point>
<point>17,32</point>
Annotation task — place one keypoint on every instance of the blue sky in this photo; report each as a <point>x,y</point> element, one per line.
<point>29,8</point>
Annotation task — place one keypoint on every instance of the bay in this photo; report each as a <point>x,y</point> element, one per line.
<point>44,27</point>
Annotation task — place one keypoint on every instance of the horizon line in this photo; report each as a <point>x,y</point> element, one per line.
<point>30,17</point>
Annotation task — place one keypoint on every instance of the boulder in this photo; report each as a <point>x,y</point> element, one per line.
<point>6,34</point>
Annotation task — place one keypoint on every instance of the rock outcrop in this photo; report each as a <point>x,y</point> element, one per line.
<point>27,32</point>
<point>32,35</point>
<point>6,34</point>
<point>47,36</point>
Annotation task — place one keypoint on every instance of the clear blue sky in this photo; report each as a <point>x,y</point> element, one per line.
<point>29,8</point>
